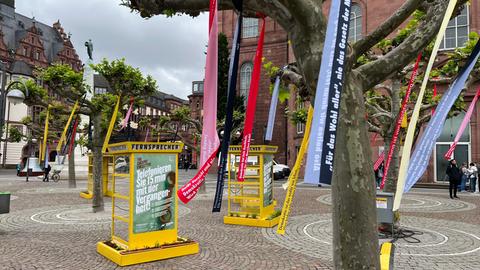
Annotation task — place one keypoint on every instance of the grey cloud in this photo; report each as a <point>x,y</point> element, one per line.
<point>169,49</point>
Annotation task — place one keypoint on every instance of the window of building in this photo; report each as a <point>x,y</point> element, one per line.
<point>36,110</point>
<point>197,87</point>
<point>355,28</point>
<point>457,31</point>
<point>249,27</point>
<point>37,55</point>
<point>245,78</point>
<point>462,152</point>
<point>25,51</point>
<point>100,90</point>
<point>300,126</point>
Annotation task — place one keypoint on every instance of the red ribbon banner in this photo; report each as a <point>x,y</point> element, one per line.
<point>398,125</point>
<point>251,106</point>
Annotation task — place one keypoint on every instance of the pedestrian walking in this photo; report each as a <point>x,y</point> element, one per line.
<point>473,176</point>
<point>464,177</point>
<point>186,164</point>
<point>379,175</point>
<point>47,172</point>
<point>454,178</point>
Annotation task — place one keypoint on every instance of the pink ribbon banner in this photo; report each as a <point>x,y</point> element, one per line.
<point>210,141</point>
<point>463,125</point>
<point>127,116</point>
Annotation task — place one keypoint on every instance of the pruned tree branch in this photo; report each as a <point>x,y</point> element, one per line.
<point>387,27</point>
<point>374,72</point>
<point>274,9</point>
<point>374,128</point>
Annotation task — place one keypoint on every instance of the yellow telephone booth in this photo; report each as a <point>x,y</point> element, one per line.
<point>107,171</point>
<point>145,204</point>
<point>251,202</point>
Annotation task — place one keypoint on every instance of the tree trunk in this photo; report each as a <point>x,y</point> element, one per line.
<point>72,182</point>
<point>391,181</point>
<point>97,143</point>
<point>355,241</point>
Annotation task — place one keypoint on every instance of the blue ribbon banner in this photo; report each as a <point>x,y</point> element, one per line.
<point>321,148</point>
<point>273,110</point>
<point>232,82</point>
<point>421,156</point>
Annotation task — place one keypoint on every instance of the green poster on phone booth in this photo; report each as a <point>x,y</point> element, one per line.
<point>154,192</point>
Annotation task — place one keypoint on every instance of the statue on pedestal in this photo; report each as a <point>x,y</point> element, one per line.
<point>89,46</point>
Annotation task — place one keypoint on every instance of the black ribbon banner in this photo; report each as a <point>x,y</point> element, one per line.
<point>336,86</point>
<point>232,83</point>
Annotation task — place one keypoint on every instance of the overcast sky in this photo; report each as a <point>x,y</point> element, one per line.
<point>169,49</point>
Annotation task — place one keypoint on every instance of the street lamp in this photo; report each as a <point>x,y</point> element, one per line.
<point>15,96</point>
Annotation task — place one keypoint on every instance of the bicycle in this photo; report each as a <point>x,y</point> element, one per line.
<point>56,175</point>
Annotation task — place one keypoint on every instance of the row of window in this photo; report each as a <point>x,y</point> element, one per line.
<point>35,53</point>
<point>455,36</point>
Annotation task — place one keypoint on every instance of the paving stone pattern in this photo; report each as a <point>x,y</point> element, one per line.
<point>51,227</point>
<point>428,204</point>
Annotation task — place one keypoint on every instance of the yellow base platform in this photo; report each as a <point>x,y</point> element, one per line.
<point>86,195</point>
<point>386,256</point>
<point>124,258</point>
<point>251,221</point>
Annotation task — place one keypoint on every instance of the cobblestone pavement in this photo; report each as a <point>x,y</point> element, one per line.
<point>51,227</point>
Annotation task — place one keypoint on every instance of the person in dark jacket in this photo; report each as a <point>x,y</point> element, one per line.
<point>454,177</point>
<point>47,171</point>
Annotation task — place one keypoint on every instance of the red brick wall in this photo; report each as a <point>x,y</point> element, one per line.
<point>276,51</point>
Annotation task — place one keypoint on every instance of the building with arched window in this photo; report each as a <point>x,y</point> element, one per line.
<point>26,45</point>
<point>355,28</point>
<point>245,79</point>
<point>365,17</point>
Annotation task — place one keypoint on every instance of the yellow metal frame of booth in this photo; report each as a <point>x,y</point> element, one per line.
<point>249,215</point>
<point>106,176</point>
<point>143,247</point>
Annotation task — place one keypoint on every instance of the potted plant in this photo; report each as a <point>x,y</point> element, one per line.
<point>4,202</point>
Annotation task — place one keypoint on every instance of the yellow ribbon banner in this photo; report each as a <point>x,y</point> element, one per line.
<point>64,134</point>
<point>407,147</point>
<point>111,126</point>
<point>292,179</point>
<point>43,149</point>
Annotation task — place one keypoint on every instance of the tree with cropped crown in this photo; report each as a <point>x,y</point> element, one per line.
<point>355,244</point>
<point>125,81</point>
<point>383,100</point>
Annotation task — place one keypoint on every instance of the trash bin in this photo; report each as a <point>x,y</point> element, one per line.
<point>4,202</point>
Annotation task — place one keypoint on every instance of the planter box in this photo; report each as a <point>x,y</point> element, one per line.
<point>4,202</point>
